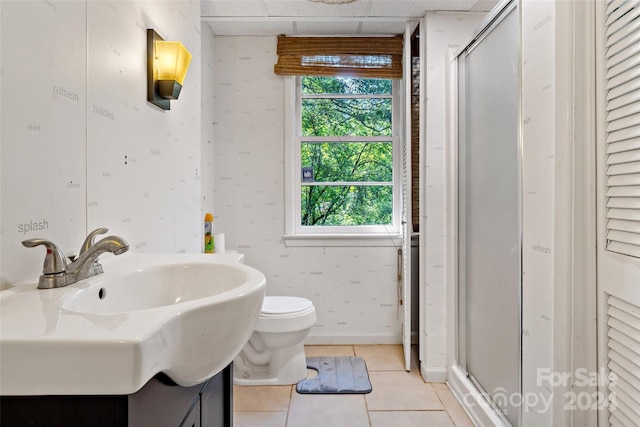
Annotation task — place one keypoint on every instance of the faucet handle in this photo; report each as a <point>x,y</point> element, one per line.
<point>88,242</point>
<point>54,262</point>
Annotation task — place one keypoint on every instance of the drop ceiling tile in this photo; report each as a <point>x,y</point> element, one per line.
<point>326,28</point>
<point>450,5</point>
<point>313,8</point>
<point>382,28</point>
<point>484,5</point>
<point>250,28</point>
<point>232,8</point>
<point>417,8</point>
<point>306,17</point>
<point>399,8</point>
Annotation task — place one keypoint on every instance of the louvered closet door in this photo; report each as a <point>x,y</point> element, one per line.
<point>622,64</point>
<point>619,209</point>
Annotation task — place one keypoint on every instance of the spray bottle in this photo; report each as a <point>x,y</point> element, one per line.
<point>208,233</point>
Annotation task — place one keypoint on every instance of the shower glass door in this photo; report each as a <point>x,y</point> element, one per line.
<point>489,212</point>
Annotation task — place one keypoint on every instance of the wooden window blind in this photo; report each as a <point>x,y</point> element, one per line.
<point>367,57</point>
<point>622,126</point>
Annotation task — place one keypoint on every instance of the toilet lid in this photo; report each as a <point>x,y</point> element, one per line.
<point>284,305</point>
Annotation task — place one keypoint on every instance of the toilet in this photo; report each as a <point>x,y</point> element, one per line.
<point>274,354</point>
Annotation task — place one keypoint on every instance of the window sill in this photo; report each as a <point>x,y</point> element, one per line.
<point>345,240</point>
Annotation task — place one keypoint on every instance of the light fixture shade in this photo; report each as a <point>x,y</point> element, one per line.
<point>172,60</point>
<point>167,65</point>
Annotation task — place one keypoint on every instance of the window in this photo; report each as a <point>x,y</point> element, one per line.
<point>343,157</point>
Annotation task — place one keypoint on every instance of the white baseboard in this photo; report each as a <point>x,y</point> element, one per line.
<point>433,375</point>
<point>352,339</point>
<point>478,409</point>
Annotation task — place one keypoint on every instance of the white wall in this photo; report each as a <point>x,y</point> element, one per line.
<point>43,131</point>
<point>446,33</point>
<point>539,174</point>
<point>81,147</point>
<point>208,121</point>
<point>558,279</point>
<point>353,289</point>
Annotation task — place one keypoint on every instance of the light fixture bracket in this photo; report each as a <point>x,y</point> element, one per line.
<point>153,92</point>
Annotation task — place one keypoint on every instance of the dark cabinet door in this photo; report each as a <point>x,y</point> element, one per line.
<point>217,400</point>
<point>193,417</point>
<point>160,403</point>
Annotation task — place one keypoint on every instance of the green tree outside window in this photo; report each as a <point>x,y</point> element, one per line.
<point>353,167</point>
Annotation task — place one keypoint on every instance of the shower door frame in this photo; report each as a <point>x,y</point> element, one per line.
<point>484,411</point>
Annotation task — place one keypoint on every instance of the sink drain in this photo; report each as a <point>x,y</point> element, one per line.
<point>102,293</point>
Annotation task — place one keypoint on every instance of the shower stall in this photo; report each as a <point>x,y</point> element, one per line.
<point>489,215</point>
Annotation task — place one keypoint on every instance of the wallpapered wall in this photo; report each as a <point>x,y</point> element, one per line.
<point>81,147</point>
<point>539,177</point>
<point>446,32</point>
<point>208,121</point>
<point>353,289</point>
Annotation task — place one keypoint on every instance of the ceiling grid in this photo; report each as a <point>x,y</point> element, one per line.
<point>320,18</point>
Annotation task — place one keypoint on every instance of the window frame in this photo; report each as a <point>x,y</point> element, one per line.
<point>368,235</point>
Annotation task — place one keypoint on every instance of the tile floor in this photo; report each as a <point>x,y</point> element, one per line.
<point>398,399</point>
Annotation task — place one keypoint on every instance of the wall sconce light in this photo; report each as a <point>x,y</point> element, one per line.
<point>167,64</point>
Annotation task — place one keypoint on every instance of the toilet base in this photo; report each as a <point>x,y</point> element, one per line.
<point>287,367</point>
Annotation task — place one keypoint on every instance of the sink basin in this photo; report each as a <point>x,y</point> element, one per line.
<point>157,286</point>
<point>185,315</point>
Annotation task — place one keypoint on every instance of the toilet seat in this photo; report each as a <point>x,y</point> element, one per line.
<point>283,307</point>
<point>285,314</point>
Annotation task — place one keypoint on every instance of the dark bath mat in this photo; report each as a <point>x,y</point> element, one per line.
<point>336,375</point>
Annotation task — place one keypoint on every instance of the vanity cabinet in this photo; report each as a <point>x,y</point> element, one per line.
<point>159,403</point>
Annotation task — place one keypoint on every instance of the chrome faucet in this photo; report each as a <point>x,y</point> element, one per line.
<point>86,265</point>
<point>56,273</point>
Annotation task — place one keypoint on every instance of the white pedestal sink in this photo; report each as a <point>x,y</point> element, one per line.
<point>186,315</point>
